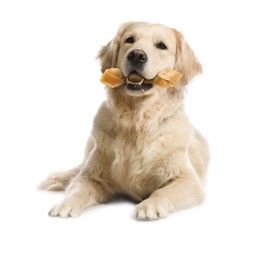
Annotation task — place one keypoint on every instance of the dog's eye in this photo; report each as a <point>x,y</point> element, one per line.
<point>161,46</point>
<point>130,40</point>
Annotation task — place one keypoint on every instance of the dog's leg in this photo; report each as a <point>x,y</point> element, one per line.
<point>186,191</point>
<point>82,193</point>
<point>90,187</point>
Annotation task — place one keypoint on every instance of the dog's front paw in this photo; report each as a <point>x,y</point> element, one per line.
<point>153,208</point>
<point>68,208</point>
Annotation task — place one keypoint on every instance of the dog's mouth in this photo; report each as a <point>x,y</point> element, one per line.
<point>135,82</point>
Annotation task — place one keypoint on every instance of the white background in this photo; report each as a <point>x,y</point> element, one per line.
<point>50,91</point>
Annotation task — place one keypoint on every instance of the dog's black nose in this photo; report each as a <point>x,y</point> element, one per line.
<point>137,57</point>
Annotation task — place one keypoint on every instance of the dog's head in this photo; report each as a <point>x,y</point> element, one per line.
<point>146,49</point>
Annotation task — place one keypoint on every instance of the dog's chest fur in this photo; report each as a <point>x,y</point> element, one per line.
<point>135,166</point>
<point>140,150</point>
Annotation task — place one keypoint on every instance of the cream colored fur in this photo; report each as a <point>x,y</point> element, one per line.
<point>142,144</point>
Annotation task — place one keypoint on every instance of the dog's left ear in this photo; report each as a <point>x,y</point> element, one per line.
<point>186,61</point>
<point>108,54</point>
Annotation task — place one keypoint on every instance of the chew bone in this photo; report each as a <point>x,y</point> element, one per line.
<point>113,77</point>
<point>166,78</point>
<point>135,78</point>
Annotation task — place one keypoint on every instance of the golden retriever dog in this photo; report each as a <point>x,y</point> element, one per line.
<point>142,144</point>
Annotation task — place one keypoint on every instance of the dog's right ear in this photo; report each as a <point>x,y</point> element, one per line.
<point>108,54</point>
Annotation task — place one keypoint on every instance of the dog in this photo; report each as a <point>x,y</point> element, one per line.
<point>142,144</point>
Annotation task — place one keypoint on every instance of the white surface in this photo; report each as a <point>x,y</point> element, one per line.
<point>50,91</point>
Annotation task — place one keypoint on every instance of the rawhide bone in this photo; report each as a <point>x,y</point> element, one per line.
<point>166,78</point>
<point>113,78</point>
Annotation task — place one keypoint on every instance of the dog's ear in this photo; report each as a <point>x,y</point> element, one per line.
<point>186,61</point>
<point>108,54</point>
